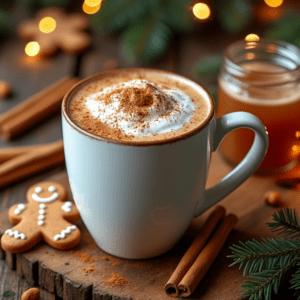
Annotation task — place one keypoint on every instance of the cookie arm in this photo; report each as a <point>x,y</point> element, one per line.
<point>62,235</point>
<point>20,238</point>
<point>70,212</point>
<point>16,212</point>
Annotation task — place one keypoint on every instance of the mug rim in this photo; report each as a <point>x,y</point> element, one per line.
<point>183,136</point>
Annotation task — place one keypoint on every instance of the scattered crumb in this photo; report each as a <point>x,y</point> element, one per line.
<point>105,258</point>
<point>89,269</point>
<point>114,263</point>
<point>272,198</point>
<point>84,256</point>
<point>116,280</point>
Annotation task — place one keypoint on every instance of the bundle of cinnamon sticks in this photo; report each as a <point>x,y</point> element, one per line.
<point>20,162</point>
<point>201,254</point>
<point>35,109</point>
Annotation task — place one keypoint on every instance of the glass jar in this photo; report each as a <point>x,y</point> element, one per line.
<point>263,78</point>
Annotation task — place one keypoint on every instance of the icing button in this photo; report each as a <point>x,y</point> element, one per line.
<point>17,211</point>
<point>40,223</point>
<point>52,188</point>
<point>41,212</point>
<point>41,217</point>
<point>38,189</point>
<point>42,205</point>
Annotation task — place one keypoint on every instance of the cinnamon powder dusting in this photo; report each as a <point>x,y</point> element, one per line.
<point>89,269</point>
<point>116,280</point>
<point>137,104</point>
<point>84,256</point>
<point>134,101</point>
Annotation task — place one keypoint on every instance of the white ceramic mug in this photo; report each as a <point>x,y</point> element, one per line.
<point>137,199</point>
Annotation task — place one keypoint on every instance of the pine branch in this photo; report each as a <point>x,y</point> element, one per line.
<point>265,254</point>
<point>295,282</point>
<point>145,40</point>
<point>177,15</point>
<point>266,281</point>
<point>117,15</point>
<point>208,66</point>
<point>286,221</point>
<point>234,15</point>
<point>286,28</point>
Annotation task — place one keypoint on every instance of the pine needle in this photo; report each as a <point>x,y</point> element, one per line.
<point>267,260</point>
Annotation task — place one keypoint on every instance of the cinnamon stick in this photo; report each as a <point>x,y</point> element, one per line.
<point>35,109</point>
<point>207,256</point>
<point>11,152</point>
<point>31,163</point>
<point>171,288</point>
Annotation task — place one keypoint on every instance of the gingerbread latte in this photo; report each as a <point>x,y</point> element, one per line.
<point>138,106</point>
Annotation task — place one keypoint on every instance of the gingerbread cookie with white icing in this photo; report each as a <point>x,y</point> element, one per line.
<point>47,216</point>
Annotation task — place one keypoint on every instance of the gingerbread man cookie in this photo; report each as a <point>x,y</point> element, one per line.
<point>46,217</point>
<point>68,35</point>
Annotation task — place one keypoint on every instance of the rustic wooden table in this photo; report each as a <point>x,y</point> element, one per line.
<point>28,77</point>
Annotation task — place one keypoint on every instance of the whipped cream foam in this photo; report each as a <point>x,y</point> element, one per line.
<point>140,108</point>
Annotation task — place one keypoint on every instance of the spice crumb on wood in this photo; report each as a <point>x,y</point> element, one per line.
<point>115,279</point>
<point>83,256</point>
<point>90,269</point>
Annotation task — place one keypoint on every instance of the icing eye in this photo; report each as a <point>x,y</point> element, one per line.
<point>52,188</point>
<point>38,189</point>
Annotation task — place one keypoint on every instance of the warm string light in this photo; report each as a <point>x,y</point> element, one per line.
<point>32,48</point>
<point>273,3</point>
<point>92,3</point>
<point>252,37</point>
<point>201,11</point>
<point>90,10</point>
<point>47,25</point>
<point>297,134</point>
<point>295,150</point>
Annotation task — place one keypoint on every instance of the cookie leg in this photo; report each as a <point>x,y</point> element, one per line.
<point>19,239</point>
<point>63,236</point>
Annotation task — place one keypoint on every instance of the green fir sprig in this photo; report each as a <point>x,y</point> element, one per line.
<point>267,261</point>
<point>146,27</point>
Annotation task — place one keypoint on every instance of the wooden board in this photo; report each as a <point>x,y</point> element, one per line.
<point>65,273</point>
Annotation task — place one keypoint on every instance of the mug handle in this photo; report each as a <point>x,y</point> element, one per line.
<point>246,167</point>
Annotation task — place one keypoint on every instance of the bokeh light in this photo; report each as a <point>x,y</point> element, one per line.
<point>47,25</point>
<point>90,10</point>
<point>297,134</point>
<point>274,3</point>
<point>295,150</point>
<point>32,48</point>
<point>252,37</point>
<point>92,3</point>
<point>201,11</point>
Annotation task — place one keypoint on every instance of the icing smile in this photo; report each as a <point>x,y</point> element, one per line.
<point>37,198</point>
